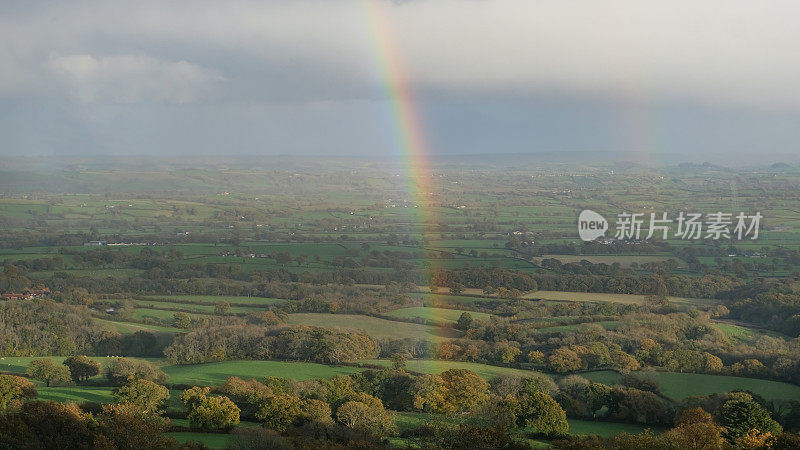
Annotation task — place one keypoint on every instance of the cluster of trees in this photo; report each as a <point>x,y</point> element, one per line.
<point>358,402</point>
<point>587,277</point>
<point>778,309</point>
<point>14,391</point>
<point>45,327</point>
<point>38,424</point>
<point>697,428</point>
<point>257,342</point>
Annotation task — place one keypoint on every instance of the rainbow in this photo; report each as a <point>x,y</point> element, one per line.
<point>406,119</point>
<point>407,123</point>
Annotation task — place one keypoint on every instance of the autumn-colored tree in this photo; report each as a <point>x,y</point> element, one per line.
<point>509,354</point>
<point>14,389</point>
<point>146,395</point>
<point>564,360</point>
<point>695,430</point>
<point>280,412</point>
<point>48,371</point>
<point>125,369</point>
<point>370,420</point>
<point>314,410</point>
<point>126,427</point>
<point>712,364</point>
<point>535,357</point>
<point>429,393</point>
<point>222,308</point>
<point>465,390</point>
<point>540,412</point>
<point>448,351</point>
<point>398,361</point>
<point>209,412</point>
<point>182,320</point>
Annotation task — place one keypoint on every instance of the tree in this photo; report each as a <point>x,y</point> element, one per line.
<point>280,411</point>
<point>565,360</point>
<point>210,412</point>
<point>509,354</point>
<point>535,357</point>
<point>125,427</point>
<point>48,371</point>
<point>315,411</point>
<point>222,308</point>
<point>146,395</point>
<point>711,363</point>
<point>255,438</point>
<point>464,321</point>
<point>82,368</point>
<point>13,388</point>
<point>429,393</point>
<point>695,430</point>
<point>369,420</point>
<point>124,369</point>
<point>456,288</point>
<point>539,411</point>
<point>398,361</point>
<point>465,389</point>
<point>740,415</point>
<point>182,320</point>
<point>46,425</point>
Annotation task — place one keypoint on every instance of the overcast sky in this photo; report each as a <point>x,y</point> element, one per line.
<point>303,76</point>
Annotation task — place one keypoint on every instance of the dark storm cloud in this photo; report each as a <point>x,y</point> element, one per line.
<point>303,75</point>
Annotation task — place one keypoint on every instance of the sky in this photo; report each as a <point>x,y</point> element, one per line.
<point>304,77</point>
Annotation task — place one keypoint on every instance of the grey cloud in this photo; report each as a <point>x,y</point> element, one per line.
<point>131,78</point>
<point>286,69</point>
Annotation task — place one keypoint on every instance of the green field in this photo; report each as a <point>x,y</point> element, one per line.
<point>18,364</point>
<point>211,440</point>
<point>615,298</point>
<point>160,315</point>
<point>435,314</point>
<point>436,366</point>
<point>193,307</point>
<point>623,260</point>
<point>605,429</point>
<point>678,386</point>
<point>373,326</point>
<point>77,394</point>
<point>130,327</point>
<point>218,372</point>
<point>744,334</point>
<point>214,299</point>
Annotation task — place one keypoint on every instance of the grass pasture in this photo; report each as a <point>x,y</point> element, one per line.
<point>745,334</point>
<point>211,440</point>
<point>563,296</point>
<point>218,372</point>
<point>579,427</point>
<point>373,326</point>
<point>18,364</point>
<point>214,299</point>
<point>77,394</point>
<point>678,386</point>
<point>437,367</point>
<point>130,327</point>
<point>161,315</point>
<point>623,260</point>
<point>435,314</point>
